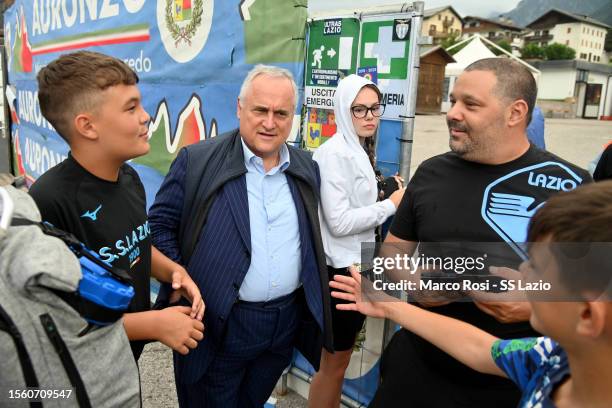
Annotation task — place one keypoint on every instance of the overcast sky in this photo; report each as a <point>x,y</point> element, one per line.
<point>482,8</point>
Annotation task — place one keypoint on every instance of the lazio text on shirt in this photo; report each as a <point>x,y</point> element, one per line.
<point>127,245</point>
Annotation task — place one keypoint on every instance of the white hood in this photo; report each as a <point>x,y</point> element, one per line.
<point>348,210</point>
<point>347,91</point>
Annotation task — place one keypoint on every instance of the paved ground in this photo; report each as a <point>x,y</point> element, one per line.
<point>157,378</point>
<point>576,140</point>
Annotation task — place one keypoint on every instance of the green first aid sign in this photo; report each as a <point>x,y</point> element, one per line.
<point>385,45</point>
<point>332,47</point>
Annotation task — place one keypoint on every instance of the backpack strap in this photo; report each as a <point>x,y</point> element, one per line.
<point>31,381</point>
<point>64,355</point>
<point>103,293</point>
<point>75,246</point>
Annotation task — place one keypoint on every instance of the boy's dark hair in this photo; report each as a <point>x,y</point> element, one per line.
<point>71,84</point>
<point>514,81</point>
<point>580,215</point>
<point>579,224</point>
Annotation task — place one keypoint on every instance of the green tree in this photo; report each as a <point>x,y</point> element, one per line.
<point>557,51</point>
<point>502,44</point>
<point>450,41</point>
<point>532,51</point>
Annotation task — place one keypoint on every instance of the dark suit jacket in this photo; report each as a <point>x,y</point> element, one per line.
<point>200,219</point>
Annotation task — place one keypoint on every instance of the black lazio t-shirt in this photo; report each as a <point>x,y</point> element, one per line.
<point>451,200</point>
<point>109,217</point>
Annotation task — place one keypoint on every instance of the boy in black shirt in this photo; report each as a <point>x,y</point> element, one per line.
<point>93,102</point>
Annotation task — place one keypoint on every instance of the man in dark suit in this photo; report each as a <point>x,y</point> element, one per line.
<point>239,211</point>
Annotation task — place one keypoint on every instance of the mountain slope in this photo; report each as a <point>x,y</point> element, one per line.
<point>528,10</point>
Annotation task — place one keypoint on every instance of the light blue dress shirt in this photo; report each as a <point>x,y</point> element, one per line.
<point>275,236</point>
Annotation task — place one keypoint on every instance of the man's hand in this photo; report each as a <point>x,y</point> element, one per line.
<point>177,330</point>
<point>183,285</point>
<point>351,291</point>
<point>506,307</point>
<point>433,303</point>
<point>399,180</point>
<point>396,197</point>
<point>506,312</point>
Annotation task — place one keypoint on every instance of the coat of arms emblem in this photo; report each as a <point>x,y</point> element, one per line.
<point>184,26</point>
<point>183,18</point>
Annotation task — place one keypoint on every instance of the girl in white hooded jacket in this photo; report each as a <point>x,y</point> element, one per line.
<point>349,214</point>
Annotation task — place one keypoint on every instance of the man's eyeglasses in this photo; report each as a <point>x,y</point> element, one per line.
<point>361,111</point>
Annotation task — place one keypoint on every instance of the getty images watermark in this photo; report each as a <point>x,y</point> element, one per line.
<point>471,271</point>
<point>459,271</point>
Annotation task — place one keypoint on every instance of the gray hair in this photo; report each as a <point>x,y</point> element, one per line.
<point>271,71</point>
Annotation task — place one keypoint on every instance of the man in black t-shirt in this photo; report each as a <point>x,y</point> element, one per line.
<point>484,190</point>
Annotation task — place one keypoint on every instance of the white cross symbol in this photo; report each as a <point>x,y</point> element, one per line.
<point>385,49</point>
<point>245,6</point>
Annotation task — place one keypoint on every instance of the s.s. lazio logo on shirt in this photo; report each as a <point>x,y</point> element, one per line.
<point>509,213</point>
<point>127,246</point>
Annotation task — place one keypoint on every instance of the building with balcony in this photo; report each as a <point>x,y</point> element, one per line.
<point>440,23</point>
<point>584,34</point>
<point>494,30</point>
<point>473,49</point>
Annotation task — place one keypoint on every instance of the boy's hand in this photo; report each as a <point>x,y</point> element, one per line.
<point>166,270</point>
<point>183,285</point>
<point>351,291</point>
<point>178,330</point>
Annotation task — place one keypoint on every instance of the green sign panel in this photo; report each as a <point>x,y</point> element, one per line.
<point>385,45</point>
<point>332,51</point>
